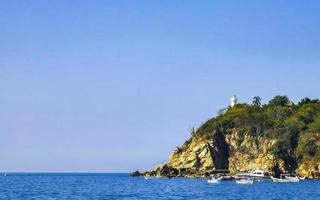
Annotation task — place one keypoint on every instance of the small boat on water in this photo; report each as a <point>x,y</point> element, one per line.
<point>215,180</point>
<point>302,178</point>
<point>224,177</point>
<point>286,178</point>
<point>148,177</point>
<point>245,181</point>
<point>4,174</point>
<point>256,174</point>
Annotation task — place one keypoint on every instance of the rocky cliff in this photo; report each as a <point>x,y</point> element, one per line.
<point>277,137</point>
<point>202,154</point>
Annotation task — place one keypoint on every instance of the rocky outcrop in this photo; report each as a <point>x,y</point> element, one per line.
<point>249,153</point>
<point>194,157</point>
<point>276,138</point>
<point>233,151</point>
<point>310,163</point>
<point>201,155</point>
<point>166,170</point>
<point>136,173</point>
<point>309,169</point>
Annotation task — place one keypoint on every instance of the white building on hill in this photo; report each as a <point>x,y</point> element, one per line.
<point>233,100</point>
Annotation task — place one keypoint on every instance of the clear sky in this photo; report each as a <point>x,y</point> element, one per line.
<point>114,86</point>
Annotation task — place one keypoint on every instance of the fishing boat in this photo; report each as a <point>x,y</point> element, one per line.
<point>245,181</point>
<point>215,180</point>
<point>285,178</point>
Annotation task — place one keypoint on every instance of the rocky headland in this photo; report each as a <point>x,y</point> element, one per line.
<point>277,137</point>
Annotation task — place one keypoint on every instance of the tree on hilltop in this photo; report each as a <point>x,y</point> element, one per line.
<point>279,101</point>
<point>256,101</point>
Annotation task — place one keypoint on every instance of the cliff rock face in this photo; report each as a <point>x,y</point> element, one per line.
<point>310,164</point>
<point>195,156</point>
<point>250,153</point>
<point>309,169</point>
<point>202,154</point>
<point>274,138</point>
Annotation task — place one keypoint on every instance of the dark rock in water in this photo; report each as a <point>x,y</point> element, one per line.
<point>136,173</point>
<point>168,171</point>
<point>150,173</point>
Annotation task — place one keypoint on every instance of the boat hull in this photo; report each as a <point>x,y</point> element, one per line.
<point>154,177</point>
<point>285,180</point>
<point>214,181</point>
<point>244,182</point>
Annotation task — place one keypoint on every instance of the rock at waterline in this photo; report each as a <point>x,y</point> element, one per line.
<point>136,173</point>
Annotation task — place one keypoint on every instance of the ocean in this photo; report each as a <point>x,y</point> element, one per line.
<point>121,186</point>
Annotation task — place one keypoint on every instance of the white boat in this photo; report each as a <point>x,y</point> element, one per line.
<point>245,181</point>
<point>148,177</point>
<point>257,174</point>
<point>215,180</point>
<point>286,178</point>
<point>224,177</point>
<point>302,178</point>
<point>4,174</point>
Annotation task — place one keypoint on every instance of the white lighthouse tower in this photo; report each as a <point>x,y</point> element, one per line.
<point>233,101</point>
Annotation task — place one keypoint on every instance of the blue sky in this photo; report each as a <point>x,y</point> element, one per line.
<point>114,86</point>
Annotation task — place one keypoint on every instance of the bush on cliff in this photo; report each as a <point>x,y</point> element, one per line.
<point>308,147</point>
<point>315,125</point>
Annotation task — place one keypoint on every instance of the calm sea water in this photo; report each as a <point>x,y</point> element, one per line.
<point>122,186</point>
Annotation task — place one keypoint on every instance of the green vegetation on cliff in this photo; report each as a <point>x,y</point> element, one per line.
<point>278,136</point>
<point>293,127</point>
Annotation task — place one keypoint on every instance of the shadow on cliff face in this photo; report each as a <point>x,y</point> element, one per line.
<point>220,152</point>
<point>276,170</point>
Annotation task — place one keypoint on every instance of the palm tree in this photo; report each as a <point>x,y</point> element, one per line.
<point>256,101</point>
